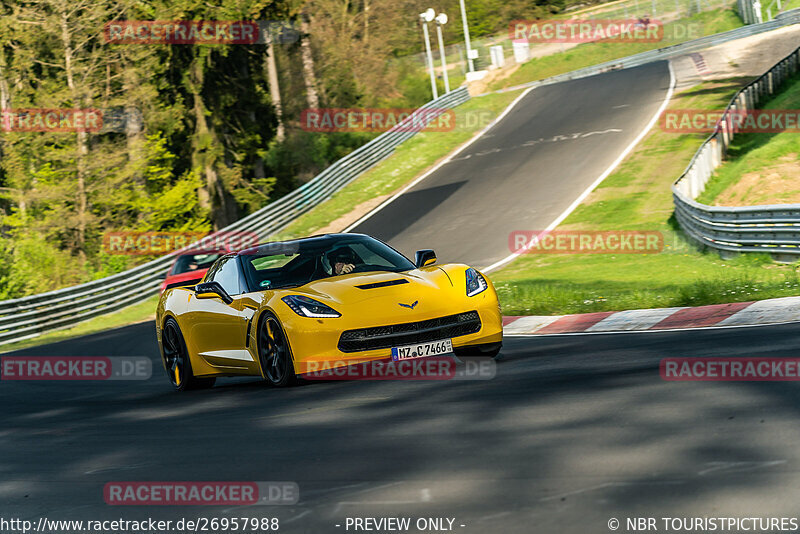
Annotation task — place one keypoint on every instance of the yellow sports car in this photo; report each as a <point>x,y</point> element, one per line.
<point>288,308</point>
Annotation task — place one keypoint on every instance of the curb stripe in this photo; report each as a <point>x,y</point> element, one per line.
<point>701,315</point>
<point>633,320</point>
<point>767,311</point>
<point>526,325</point>
<point>574,323</point>
<point>753,313</point>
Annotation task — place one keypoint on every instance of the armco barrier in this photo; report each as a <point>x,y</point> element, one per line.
<point>31,316</point>
<point>774,229</point>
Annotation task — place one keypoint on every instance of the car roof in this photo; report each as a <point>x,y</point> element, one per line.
<point>321,238</point>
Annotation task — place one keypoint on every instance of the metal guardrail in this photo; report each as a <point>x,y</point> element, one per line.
<point>775,228</point>
<point>31,316</point>
<point>784,19</point>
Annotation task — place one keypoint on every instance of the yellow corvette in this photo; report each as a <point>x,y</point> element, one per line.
<point>283,309</point>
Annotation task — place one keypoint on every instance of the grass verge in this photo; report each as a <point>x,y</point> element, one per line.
<point>637,196</point>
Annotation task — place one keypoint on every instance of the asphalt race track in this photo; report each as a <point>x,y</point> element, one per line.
<point>572,431</point>
<point>525,171</point>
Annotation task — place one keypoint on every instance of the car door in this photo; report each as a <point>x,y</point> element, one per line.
<point>220,329</point>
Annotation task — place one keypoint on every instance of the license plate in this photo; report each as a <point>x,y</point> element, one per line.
<point>422,350</point>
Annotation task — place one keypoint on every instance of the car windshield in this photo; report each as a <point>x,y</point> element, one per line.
<point>294,263</point>
<point>194,262</point>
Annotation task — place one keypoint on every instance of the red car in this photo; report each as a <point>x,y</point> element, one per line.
<point>189,268</point>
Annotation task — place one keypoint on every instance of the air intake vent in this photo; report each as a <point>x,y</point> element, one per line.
<point>387,283</point>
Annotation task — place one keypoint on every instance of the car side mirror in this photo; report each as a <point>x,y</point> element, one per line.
<point>424,257</point>
<point>211,290</point>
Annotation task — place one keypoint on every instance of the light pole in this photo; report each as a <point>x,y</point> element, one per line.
<point>441,20</point>
<point>466,36</point>
<point>427,17</point>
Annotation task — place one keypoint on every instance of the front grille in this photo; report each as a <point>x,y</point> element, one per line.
<point>383,337</point>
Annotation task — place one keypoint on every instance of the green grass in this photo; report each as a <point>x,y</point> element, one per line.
<point>585,55</point>
<point>790,4</point>
<point>750,152</point>
<point>137,313</point>
<point>410,160</point>
<point>637,196</point>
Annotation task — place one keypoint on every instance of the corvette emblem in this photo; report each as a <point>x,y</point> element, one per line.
<point>409,306</point>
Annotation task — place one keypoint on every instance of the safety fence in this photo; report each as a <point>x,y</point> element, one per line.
<point>774,229</point>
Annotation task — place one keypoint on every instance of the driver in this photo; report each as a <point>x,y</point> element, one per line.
<point>343,261</point>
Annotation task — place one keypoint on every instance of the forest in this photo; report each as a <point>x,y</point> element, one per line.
<point>193,135</point>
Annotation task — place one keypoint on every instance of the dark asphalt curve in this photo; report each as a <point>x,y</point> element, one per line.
<point>573,431</point>
<point>524,172</point>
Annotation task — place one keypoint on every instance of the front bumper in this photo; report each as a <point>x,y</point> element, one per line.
<point>315,343</point>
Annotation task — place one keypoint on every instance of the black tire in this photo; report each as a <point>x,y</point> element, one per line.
<point>177,362</point>
<point>274,353</point>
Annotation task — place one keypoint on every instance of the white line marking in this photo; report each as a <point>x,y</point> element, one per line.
<point>599,180</point>
<point>445,161</point>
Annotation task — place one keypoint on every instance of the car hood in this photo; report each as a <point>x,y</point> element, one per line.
<point>430,291</point>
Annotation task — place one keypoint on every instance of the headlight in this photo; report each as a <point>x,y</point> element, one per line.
<point>308,307</point>
<point>475,282</point>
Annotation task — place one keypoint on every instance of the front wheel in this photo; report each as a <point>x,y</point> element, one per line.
<point>177,361</point>
<point>274,353</point>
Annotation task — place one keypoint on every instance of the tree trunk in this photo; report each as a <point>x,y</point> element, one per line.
<point>82,146</point>
<point>5,94</point>
<point>274,88</point>
<point>212,196</point>
<point>134,127</point>
<point>308,64</point>
<point>366,21</point>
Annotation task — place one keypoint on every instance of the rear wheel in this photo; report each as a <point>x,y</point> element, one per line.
<point>177,361</point>
<point>274,353</point>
